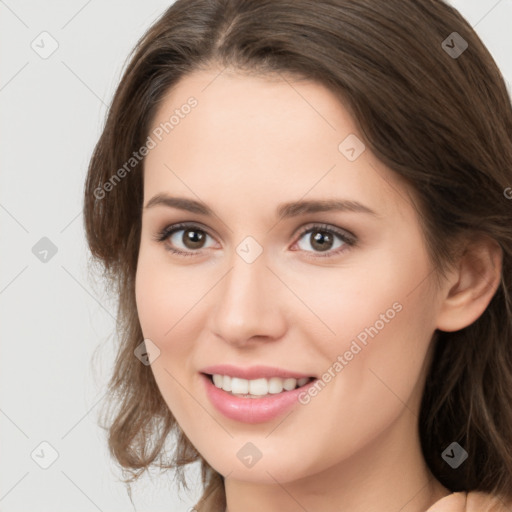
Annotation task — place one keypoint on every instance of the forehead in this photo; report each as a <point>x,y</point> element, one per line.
<point>253,106</point>
<point>259,137</point>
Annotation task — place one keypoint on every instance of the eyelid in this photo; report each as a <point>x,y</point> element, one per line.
<point>348,239</point>
<point>163,234</point>
<point>344,234</point>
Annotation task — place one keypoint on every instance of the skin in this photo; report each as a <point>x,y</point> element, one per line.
<point>250,144</point>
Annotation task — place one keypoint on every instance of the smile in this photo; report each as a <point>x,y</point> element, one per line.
<point>242,403</point>
<point>256,388</point>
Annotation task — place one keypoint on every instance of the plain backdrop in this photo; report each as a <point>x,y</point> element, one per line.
<point>53,316</point>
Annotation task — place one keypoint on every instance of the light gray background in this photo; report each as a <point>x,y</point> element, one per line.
<point>53,315</point>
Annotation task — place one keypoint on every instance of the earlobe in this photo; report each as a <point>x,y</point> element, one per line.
<point>474,283</point>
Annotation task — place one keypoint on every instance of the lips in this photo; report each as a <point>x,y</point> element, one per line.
<point>253,372</point>
<point>252,409</point>
<point>254,394</point>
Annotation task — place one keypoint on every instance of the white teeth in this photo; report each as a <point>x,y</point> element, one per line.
<point>275,385</point>
<point>257,387</point>
<point>239,386</point>
<point>290,384</point>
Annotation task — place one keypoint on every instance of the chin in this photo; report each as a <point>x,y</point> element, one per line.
<point>267,470</point>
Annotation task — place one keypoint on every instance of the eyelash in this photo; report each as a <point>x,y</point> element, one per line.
<point>349,240</point>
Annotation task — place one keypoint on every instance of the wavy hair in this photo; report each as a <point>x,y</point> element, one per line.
<point>441,121</point>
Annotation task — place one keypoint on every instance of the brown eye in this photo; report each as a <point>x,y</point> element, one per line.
<point>183,239</point>
<point>193,238</point>
<point>321,240</point>
<point>324,239</point>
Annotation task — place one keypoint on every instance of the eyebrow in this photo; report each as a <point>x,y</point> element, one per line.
<point>283,211</point>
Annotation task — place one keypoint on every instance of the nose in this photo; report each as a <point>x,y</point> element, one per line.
<point>249,304</point>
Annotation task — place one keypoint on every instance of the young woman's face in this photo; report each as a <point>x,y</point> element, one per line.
<point>304,256</point>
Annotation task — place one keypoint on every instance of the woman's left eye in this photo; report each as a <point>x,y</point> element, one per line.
<point>322,238</point>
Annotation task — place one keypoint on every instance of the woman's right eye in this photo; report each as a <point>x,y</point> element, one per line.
<point>189,236</point>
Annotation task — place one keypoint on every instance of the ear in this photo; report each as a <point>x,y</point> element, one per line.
<point>471,285</point>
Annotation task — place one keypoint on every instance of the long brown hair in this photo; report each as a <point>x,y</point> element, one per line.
<point>433,110</point>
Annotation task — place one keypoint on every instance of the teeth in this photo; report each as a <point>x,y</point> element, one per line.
<point>239,386</point>
<point>256,387</point>
<point>275,385</point>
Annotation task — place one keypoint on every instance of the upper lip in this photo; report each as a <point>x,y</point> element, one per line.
<point>252,372</point>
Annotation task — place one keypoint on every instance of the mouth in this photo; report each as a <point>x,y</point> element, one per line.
<point>254,394</point>
<point>262,387</point>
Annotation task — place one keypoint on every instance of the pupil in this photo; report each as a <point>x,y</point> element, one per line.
<point>323,239</point>
<point>193,238</point>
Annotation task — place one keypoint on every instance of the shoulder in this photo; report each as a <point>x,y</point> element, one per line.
<point>483,502</point>
<point>473,501</point>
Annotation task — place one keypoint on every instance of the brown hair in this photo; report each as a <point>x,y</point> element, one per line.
<point>441,121</point>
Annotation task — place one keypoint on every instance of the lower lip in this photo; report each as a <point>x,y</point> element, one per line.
<point>252,410</point>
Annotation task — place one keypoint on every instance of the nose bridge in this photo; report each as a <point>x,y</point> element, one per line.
<point>245,287</point>
<point>247,304</point>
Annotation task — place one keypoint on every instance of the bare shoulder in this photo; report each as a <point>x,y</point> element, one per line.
<point>483,502</point>
<point>473,501</point>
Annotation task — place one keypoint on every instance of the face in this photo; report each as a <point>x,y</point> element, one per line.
<point>305,259</point>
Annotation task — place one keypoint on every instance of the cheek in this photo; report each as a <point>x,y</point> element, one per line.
<point>164,295</point>
<point>167,304</point>
<point>380,296</point>
<point>381,318</point>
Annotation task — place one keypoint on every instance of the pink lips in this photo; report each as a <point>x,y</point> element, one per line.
<point>252,410</point>
<point>253,372</point>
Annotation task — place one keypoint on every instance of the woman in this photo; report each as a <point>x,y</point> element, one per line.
<point>305,210</point>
